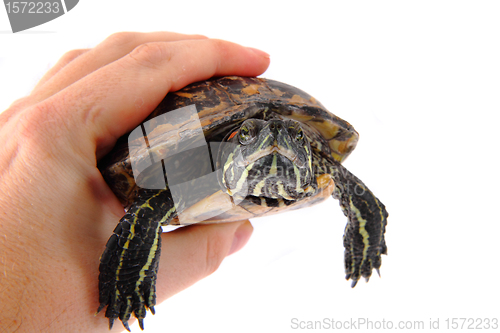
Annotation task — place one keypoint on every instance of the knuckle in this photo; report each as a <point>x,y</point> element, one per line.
<point>39,119</point>
<point>220,51</point>
<point>219,46</point>
<point>150,54</point>
<point>72,55</point>
<point>120,39</point>
<point>20,103</point>
<point>197,36</point>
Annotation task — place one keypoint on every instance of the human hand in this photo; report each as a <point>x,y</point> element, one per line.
<point>56,211</point>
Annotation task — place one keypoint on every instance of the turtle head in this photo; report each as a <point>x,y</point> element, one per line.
<point>269,159</point>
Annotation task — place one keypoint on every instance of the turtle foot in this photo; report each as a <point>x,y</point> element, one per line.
<point>128,268</point>
<point>361,255</point>
<point>123,305</point>
<point>364,235</point>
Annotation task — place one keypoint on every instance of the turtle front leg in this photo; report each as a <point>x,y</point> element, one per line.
<point>129,263</point>
<point>364,240</point>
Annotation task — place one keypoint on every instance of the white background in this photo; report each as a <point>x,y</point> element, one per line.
<point>420,81</point>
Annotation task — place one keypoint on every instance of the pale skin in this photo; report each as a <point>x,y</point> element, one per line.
<point>56,211</point>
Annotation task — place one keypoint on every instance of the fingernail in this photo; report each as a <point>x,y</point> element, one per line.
<point>259,52</point>
<point>241,237</point>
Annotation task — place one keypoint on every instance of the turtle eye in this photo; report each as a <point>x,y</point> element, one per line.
<point>299,136</point>
<point>246,134</point>
<point>296,131</point>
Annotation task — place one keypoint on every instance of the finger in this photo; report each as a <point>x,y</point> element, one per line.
<point>189,254</point>
<point>113,100</point>
<point>75,65</point>
<point>63,62</point>
<point>111,49</point>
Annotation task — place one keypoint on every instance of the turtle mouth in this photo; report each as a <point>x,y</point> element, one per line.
<point>275,176</point>
<point>273,149</point>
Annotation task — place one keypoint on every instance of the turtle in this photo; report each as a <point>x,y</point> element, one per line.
<point>227,149</point>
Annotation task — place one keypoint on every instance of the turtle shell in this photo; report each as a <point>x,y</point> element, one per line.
<point>220,105</point>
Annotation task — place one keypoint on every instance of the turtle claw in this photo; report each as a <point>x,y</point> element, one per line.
<point>141,323</point>
<point>353,282</point>
<point>111,321</point>
<point>125,324</point>
<point>378,272</point>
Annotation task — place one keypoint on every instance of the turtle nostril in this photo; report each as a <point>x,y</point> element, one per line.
<point>276,126</point>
